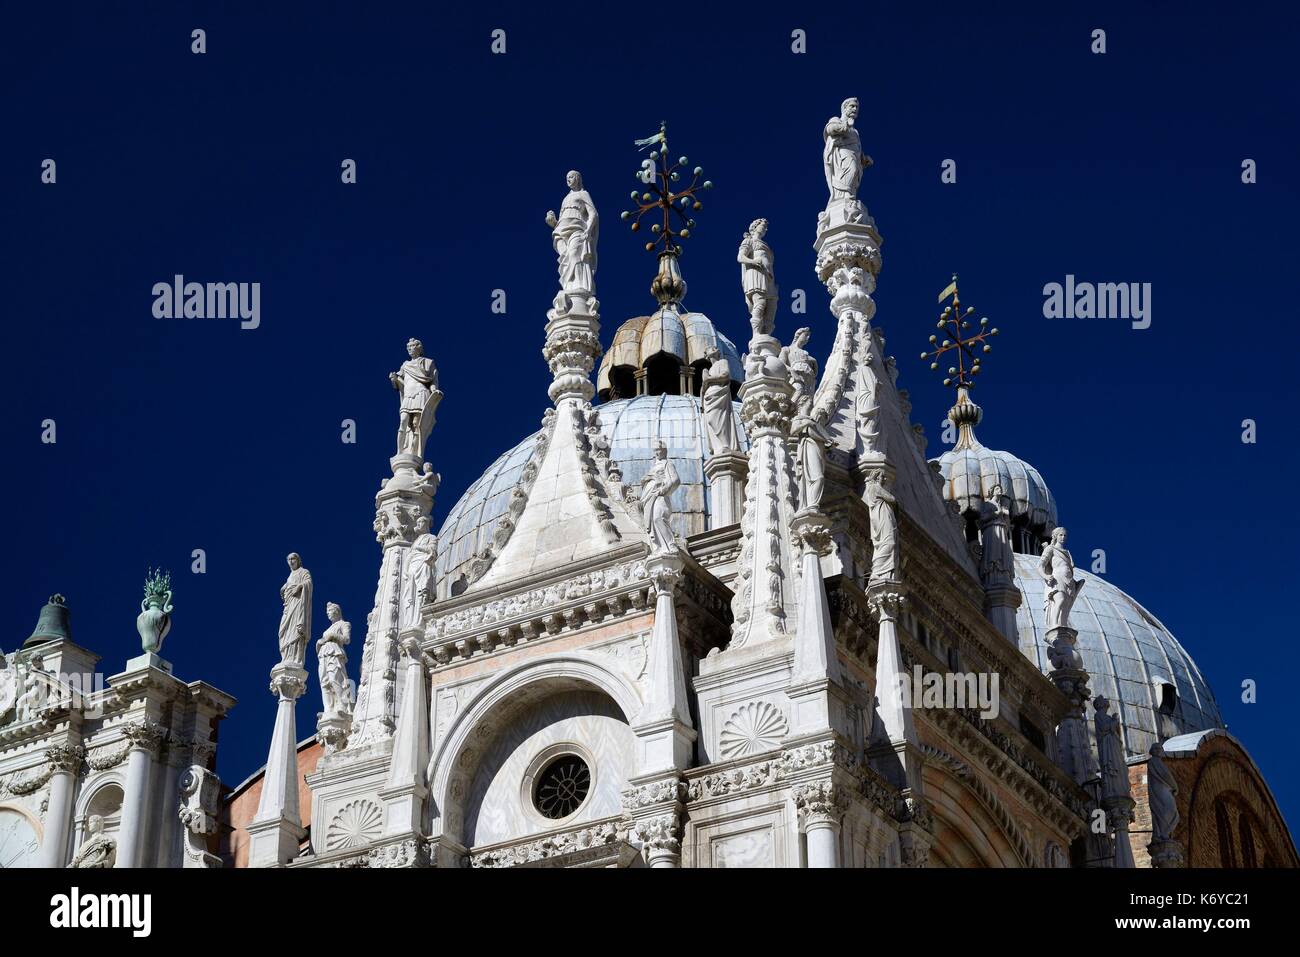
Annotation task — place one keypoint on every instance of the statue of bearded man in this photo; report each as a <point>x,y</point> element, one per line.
<point>842,156</point>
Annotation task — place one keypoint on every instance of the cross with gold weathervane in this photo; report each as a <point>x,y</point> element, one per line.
<point>954,322</point>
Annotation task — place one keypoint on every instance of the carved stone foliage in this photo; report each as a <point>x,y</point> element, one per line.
<point>355,824</point>
<point>663,832</point>
<point>753,728</point>
<point>648,795</point>
<point>819,801</point>
<point>145,735</point>
<point>600,594</point>
<point>553,845</point>
<point>108,756</point>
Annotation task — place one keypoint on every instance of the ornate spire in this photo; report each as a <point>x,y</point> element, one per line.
<point>573,326</point>
<point>966,350</point>
<point>670,205</point>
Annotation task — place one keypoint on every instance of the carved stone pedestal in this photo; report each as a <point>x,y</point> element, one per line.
<point>726,473</point>
<point>1167,854</point>
<point>277,832</point>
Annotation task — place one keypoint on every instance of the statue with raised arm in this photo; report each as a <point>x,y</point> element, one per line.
<point>419,572</point>
<point>99,850</point>
<point>417,381</point>
<point>884,528</point>
<point>1162,794</point>
<point>295,620</point>
<point>657,488</point>
<point>1110,751</point>
<point>1057,569</point>
<point>574,234</point>
<point>332,661</point>
<point>842,158</point>
<point>757,277</point>
<point>715,398</point>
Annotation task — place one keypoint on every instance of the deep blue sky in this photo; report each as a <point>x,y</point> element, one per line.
<point>176,435</point>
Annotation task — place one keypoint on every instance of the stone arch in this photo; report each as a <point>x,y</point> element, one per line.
<point>1227,789</point>
<point>105,797</point>
<point>487,714</point>
<point>973,827</point>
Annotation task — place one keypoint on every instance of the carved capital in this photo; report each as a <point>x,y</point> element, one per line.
<point>662,832</point>
<point>819,802</point>
<point>886,599</point>
<point>65,758</point>
<point>288,682</point>
<point>812,529</point>
<point>665,571</point>
<point>145,736</point>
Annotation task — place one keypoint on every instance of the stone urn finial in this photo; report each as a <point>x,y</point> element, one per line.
<point>155,619</point>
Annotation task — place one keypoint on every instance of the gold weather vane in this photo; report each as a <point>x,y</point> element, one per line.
<point>967,347</point>
<point>660,194</point>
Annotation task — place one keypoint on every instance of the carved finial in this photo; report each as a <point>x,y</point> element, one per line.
<point>671,206</point>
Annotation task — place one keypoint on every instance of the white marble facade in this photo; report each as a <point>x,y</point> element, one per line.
<point>91,775</point>
<point>586,685</point>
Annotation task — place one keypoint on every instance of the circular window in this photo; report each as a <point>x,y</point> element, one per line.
<point>562,786</point>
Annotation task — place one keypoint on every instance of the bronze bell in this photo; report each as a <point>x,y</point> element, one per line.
<point>52,624</point>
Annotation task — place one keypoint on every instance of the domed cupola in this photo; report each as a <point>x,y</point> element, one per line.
<point>970,471</point>
<point>664,353</point>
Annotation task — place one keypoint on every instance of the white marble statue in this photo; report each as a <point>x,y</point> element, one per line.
<point>1110,750</point>
<point>810,438</point>
<point>884,529</point>
<point>657,487</point>
<point>295,620</point>
<point>419,572</point>
<point>574,233</point>
<point>332,661</point>
<point>1057,568</point>
<point>715,398</point>
<point>417,381</point>
<point>428,482</point>
<point>758,278</point>
<point>99,850</point>
<point>1162,794</point>
<point>842,156</point>
<point>8,684</point>
<point>995,526</point>
<point>34,686</point>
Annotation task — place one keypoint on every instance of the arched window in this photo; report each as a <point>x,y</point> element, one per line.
<point>1227,858</point>
<point>1247,842</point>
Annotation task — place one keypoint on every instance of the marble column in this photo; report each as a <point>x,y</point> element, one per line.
<point>145,738</point>
<point>821,808</point>
<point>404,794</point>
<point>726,473</point>
<point>661,840</point>
<point>1074,753</point>
<point>765,603</point>
<point>1119,811</point>
<point>666,735</point>
<point>64,761</point>
<point>276,831</point>
<point>897,746</point>
<point>814,692</point>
